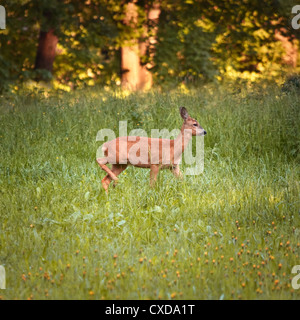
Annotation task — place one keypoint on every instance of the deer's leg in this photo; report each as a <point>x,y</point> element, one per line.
<point>117,169</point>
<point>176,171</point>
<point>154,169</point>
<point>105,182</point>
<point>102,163</point>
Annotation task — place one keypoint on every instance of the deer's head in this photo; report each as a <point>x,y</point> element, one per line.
<point>191,124</point>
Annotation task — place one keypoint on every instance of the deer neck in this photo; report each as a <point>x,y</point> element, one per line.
<point>181,142</point>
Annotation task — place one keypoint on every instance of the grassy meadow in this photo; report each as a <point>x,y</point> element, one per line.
<point>232,232</point>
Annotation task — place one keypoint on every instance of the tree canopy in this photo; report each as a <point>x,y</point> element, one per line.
<point>187,40</point>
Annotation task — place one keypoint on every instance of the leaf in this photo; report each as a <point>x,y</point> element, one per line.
<point>157,209</point>
<point>38,192</point>
<point>120,223</point>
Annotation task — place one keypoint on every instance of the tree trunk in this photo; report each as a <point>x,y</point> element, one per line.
<point>147,47</point>
<point>130,61</point>
<point>130,67</point>
<point>136,76</point>
<point>46,50</point>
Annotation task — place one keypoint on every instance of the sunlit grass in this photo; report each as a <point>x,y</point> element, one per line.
<point>229,233</point>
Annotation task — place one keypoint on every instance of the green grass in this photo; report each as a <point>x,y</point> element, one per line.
<point>231,232</point>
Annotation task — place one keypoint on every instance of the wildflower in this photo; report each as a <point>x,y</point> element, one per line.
<point>259,273</point>
<point>46,276</point>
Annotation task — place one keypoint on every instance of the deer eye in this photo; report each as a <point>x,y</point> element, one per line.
<point>195,124</point>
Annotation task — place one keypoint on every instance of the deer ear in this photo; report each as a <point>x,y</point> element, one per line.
<point>183,112</point>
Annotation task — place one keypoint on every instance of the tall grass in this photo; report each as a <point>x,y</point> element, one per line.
<point>230,233</point>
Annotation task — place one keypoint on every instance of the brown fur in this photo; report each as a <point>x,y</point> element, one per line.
<point>117,153</point>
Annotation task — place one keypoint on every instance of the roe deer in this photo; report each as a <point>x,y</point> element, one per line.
<point>144,152</point>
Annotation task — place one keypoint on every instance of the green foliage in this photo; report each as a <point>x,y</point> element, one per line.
<point>198,40</point>
<point>183,51</point>
<point>292,83</point>
<point>230,233</point>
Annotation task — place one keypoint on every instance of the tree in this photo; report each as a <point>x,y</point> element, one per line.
<point>141,42</point>
<point>46,50</point>
<point>137,53</point>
